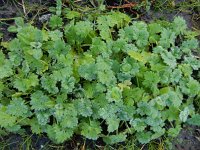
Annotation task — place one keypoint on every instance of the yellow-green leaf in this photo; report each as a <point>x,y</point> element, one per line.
<point>137,56</point>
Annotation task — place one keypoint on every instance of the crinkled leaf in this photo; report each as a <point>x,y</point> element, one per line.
<point>91,129</point>
<point>112,139</point>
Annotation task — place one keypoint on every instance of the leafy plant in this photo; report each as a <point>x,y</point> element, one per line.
<point>80,76</point>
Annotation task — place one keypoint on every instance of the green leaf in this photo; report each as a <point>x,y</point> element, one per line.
<point>55,22</point>
<point>176,75</point>
<point>167,38</point>
<point>55,35</point>
<point>6,120</point>
<point>27,35</point>
<point>143,108</point>
<point>193,62</point>
<point>75,35</point>
<point>151,79</point>
<point>136,32</point>
<point>158,132</point>
<point>189,44</point>
<point>137,56</point>
<point>138,124</point>
<point>19,22</point>
<point>84,107</point>
<point>58,7</point>
<point>67,116</point>
<point>108,111</point>
<point>144,137</point>
<point>13,29</point>
<point>170,114</point>
<point>154,30</point>
<point>109,21</point>
<point>98,46</point>
<point>6,69</point>
<point>173,132</point>
<point>194,120</point>
<point>125,113</point>
<point>113,124</point>
<point>61,74</point>
<point>87,71</point>
<point>91,129</point>
<point>68,84</point>
<point>62,135</point>
<point>186,69</point>
<point>2,87</point>
<point>18,108</point>
<point>179,25</point>
<point>58,49</point>
<point>1,35</point>
<point>39,101</point>
<point>112,139</point>
<point>49,84</point>
<point>114,95</point>
<point>106,77</point>
<point>14,129</point>
<point>154,121</point>
<point>169,59</point>
<point>35,127</point>
<point>184,114</point>
<point>134,94</point>
<point>117,45</point>
<point>173,98</point>
<point>25,84</point>
<point>191,87</point>
<point>69,122</point>
<point>70,14</point>
<point>43,117</point>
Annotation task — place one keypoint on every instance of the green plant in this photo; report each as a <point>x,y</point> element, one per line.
<point>72,78</point>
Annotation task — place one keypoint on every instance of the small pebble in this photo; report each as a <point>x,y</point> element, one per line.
<point>44,18</point>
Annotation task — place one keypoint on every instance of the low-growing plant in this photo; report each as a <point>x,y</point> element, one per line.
<point>106,77</point>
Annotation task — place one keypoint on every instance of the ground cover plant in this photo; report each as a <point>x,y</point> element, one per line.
<point>101,76</point>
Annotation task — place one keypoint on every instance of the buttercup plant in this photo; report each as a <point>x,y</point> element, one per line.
<point>73,77</point>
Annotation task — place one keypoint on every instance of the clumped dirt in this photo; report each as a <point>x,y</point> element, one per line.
<point>6,13</point>
<point>188,139</point>
<point>14,8</point>
<point>16,142</point>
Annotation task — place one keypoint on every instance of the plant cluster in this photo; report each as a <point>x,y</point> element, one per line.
<point>106,77</point>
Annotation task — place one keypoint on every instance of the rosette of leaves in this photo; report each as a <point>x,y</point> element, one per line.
<point>77,77</point>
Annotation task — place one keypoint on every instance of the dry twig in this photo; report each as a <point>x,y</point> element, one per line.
<point>128,5</point>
